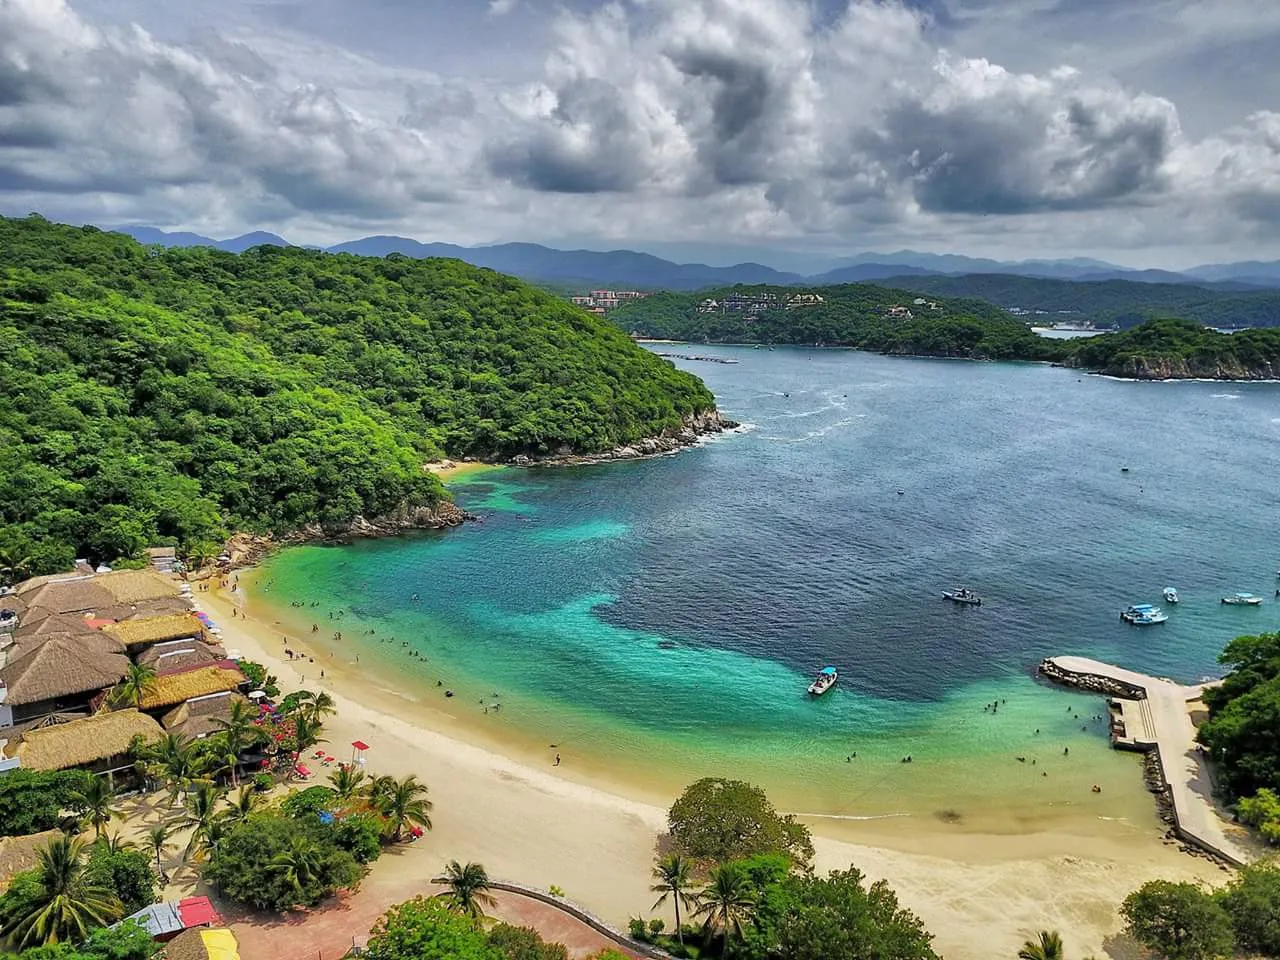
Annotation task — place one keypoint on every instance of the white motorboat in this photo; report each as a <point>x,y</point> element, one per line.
<point>1170,595</point>
<point>1242,600</point>
<point>824,681</point>
<point>963,595</point>
<point>1143,614</point>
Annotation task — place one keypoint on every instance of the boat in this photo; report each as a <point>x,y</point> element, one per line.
<point>1170,595</point>
<point>1242,600</point>
<point>824,681</point>
<point>1143,614</point>
<point>963,595</point>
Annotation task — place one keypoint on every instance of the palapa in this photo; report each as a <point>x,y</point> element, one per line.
<point>137,586</point>
<point>63,667</point>
<point>83,742</point>
<point>52,624</point>
<point>148,630</point>
<point>202,943</point>
<point>82,595</point>
<point>19,854</point>
<point>173,655</point>
<point>173,688</point>
<point>199,717</point>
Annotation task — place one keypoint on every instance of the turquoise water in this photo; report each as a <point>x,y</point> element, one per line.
<point>666,615</point>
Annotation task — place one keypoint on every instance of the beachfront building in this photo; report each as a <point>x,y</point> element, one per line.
<point>59,673</point>
<point>20,854</point>
<point>198,717</point>
<point>139,633</point>
<point>165,921</point>
<point>100,744</point>
<point>170,656</point>
<point>171,689</point>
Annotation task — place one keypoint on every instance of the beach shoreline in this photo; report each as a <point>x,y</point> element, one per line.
<point>595,835</point>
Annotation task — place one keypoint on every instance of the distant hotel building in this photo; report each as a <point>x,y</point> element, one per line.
<point>598,301</point>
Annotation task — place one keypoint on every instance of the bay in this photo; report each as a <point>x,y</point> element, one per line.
<point>660,619</point>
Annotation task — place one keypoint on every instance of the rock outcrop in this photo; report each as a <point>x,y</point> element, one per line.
<point>1167,368</point>
<point>694,427</point>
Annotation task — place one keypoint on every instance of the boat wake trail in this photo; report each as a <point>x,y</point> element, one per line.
<point>849,816</point>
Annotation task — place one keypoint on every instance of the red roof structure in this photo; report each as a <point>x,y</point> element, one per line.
<point>197,912</point>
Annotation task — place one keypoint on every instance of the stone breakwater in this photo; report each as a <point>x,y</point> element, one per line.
<point>694,427</point>
<point>1091,682</point>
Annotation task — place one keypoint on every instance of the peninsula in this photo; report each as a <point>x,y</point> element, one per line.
<point>179,396</point>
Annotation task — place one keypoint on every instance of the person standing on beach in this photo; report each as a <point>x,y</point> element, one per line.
<point>557,763</point>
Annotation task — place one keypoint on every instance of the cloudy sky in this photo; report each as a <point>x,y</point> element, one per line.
<point>1142,131</point>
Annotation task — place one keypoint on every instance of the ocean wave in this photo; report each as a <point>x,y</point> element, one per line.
<point>850,816</point>
<point>1225,396</point>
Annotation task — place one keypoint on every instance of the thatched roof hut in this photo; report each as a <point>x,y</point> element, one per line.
<point>137,586</point>
<point>18,854</point>
<point>173,688</point>
<point>145,631</point>
<point>83,742</point>
<point>52,624</point>
<point>173,655</point>
<point>80,595</point>
<point>199,716</point>
<point>63,667</point>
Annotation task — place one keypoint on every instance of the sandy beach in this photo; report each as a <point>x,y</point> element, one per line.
<point>528,821</point>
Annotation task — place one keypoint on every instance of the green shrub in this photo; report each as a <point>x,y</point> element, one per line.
<point>360,834</point>
<point>33,800</point>
<point>309,802</point>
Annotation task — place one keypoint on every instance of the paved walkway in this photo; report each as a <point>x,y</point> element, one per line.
<point>1184,766</point>
<point>329,931</point>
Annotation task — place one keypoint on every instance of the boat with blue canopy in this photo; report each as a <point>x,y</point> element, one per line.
<point>825,680</point>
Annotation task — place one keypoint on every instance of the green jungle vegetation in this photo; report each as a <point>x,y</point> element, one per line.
<point>1105,302</point>
<point>169,397</point>
<point>1201,348</point>
<point>851,315</point>
<point>1243,730</point>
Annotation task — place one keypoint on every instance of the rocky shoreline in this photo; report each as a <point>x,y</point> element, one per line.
<point>695,427</point>
<point>1164,368</point>
<point>249,549</point>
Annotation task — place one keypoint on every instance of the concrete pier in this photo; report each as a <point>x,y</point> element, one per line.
<point>1154,715</point>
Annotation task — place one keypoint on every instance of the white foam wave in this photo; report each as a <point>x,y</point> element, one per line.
<point>1225,396</point>
<point>849,816</point>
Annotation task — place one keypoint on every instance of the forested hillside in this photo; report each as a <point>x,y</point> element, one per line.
<point>1122,302</point>
<point>170,396</point>
<point>865,316</point>
<point>1164,349</point>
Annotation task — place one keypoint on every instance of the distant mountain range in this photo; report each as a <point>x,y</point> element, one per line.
<point>630,269</point>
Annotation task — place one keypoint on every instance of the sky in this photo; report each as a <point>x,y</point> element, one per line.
<point>1146,132</point>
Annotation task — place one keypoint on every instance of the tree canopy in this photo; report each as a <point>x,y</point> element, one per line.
<point>717,820</point>
<point>1183,348</point>
<point>152,396</point>
<point>1178,921</point>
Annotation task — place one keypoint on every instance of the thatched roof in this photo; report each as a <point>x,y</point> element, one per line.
<point>174,688</point>
<point>202,943</point>
<point>196,718</point>
<point>174,655</point>
<point>18,854</point>
<point>83,595</point>
<point>35,583</point>
<point>82,742</point>
<point>137,586</point>
<point>148,630</point>
<point>94,643</point>
<point>63,667</point>
<point>53,623</point>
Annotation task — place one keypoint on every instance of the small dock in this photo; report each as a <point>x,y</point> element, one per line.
<point>1152,713</point>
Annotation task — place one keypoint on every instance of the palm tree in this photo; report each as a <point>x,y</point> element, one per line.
<point>239,733</point>
<point>348,783</point>
<point>14,566</point>
<point>113,843</point>
<point>98,799</point>
<point>157,843</point>
<point>241,805</point>
<point>318,707</point>
<point>673,874</point>
<point>138,681</point>
<point>202,811</point>
<point>1048,947</point>
<point>176,760</point>
<point>299,863</point>
<point>468,891</point>
<point>306,733</point>
<point>403,803</point>
<point>727,902</point>
<point>71,902</point>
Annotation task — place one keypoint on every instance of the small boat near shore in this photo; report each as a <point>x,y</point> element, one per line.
<point>1143,614</point>
<point>1242,600</point>
<point>1170,595</point>
<point>963,595</point>
<point>824,681</point>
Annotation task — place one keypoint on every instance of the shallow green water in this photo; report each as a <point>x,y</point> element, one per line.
<point>666,615</point>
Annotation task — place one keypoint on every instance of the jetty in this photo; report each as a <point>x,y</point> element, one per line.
<point>693,356</point>
<point>1152,714</point>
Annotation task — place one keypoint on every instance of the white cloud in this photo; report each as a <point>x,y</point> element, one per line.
<point>759,120</point>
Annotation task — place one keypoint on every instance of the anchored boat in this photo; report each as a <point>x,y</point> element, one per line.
<point>1143,614</point>
<point>1170,595</point>
<point>963,595</point>
<point>824,681</point>
<point>1242,600</point>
